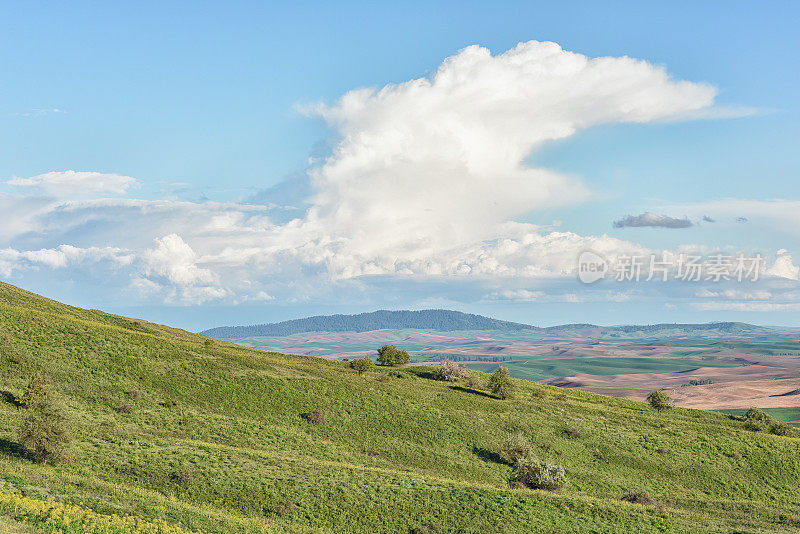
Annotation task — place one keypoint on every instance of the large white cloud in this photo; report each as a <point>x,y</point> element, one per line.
<point>436,162</point>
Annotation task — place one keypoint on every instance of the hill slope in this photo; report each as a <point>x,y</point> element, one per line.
<point>443,320</point>
<point>215,440</point>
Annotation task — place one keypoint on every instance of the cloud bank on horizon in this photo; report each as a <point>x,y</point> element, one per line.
<point>649,218</point>
<point>428,179</point>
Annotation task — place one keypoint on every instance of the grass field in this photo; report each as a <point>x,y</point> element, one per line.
<point>217,440</point>
<point>537,369</point>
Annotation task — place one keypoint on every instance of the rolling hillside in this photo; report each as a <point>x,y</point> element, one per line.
<point>174,432</point>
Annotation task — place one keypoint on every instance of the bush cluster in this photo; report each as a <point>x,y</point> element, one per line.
<point>315,417</point>
<point>638,497</point>
<point>450,371</point>
<point>529,471</point>
<point>534,474</point>
<point>758,420</point>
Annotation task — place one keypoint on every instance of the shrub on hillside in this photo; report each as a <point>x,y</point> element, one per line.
<point>779,428</point>
<point>315,417</point>
<point>428,528</point>
<point>516,448</point>
<point>638,497</point>
<point>283,509</point>
<point>125,409</point>
<point>500,383</point>
<point>450,371</point>
<point>391,355</point>
<point>758,420</point>
<point>38,387</point>
<point>183,477</point>
<point>659,400</point>
<point>475,382</point>
<point>532,473</point>
<point>44,433</point>
<point>362,365</point>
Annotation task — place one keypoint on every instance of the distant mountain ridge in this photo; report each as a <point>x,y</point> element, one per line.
<point>443,320</point>
<point>450,321</point>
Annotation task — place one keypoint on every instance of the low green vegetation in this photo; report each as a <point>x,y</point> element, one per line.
<point>221,438</point>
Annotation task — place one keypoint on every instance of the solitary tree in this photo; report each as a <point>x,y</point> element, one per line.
<point>43,434</point>
<point>659,400</point>
<point>362,365</point>
<point>391,355</point>
<point>500,383</point>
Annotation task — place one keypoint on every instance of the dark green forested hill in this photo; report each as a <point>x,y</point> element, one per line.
<point>443,320</point>
<point>450,321</point>
<point>173,432</point>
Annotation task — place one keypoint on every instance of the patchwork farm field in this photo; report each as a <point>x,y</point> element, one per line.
<point>536,369</point>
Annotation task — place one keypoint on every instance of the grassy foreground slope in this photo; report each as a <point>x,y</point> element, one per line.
<point>216,441</point>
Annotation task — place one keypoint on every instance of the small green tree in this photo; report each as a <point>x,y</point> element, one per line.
<point>362,365</point>
<point>659,400</point>
<point>43,434</point>
<point>391,355</point>
<point>500,383</point>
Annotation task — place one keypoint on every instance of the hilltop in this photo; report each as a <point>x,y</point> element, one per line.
<point>443,320</point>
<point>175,432</point>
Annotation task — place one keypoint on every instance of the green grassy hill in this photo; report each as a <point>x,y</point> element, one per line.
<point>216,440</point>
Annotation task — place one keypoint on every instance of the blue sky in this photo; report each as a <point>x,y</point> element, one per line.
<point>210,107</point>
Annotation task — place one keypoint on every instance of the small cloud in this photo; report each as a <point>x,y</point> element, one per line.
<point>706,218</point>
<point>651,219</point>
<point>784,267</point>
<point>520,295</point>
<point>40,111</point>
<point>76,182</point>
